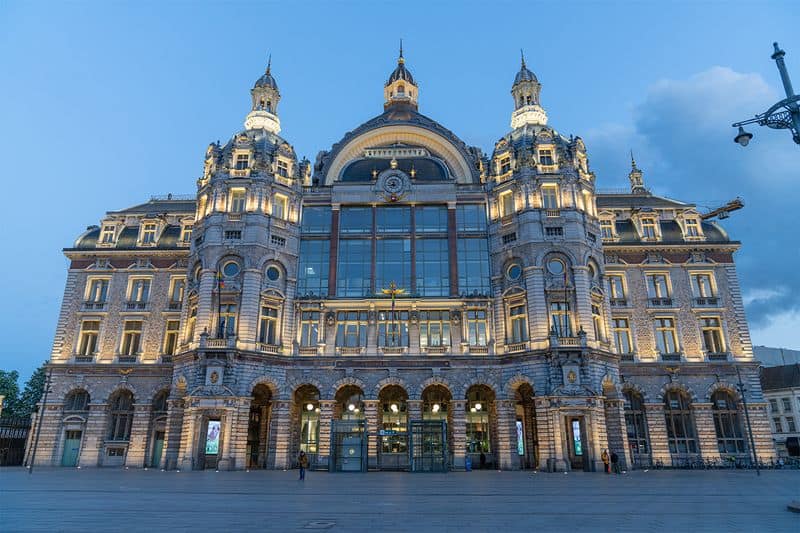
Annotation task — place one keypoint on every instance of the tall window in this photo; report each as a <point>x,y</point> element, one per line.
<point>518,317</point>
<point>546,157</point>
<point>505,165</point>
<point>649,228</point>
<point>351,329</point>
<point>90,332</point>
<point>171,337</point>
<point>550,197</point>
<point>394,421</point>
<point>666,336</point>
<point>657,286</point>
<point>149,233</point>
<point>393,220</point>
<point>433,267</point>
<point>477,415</point>
<point>131,337</point>
<point>108,234</point>
<point>242,161</point>
<point>139,290</point>
<point>121,410</point>
<point>355,220</point>
<point>473,266</point>
<point>316,219</point>
<point>712,335</point>
<point>692,227</point>
<point>607,229</point>
<point>702,286</point>
<point>309,419</point>
<point>77,400</point>
<point>392,264</point>
<point>98,291</point>
<point>506,202</point>
<point>191,322</point>
<point>313,271</point>
<point>392,328</point>
<point>238,200</point>
<point>280,206</point>
<point>616,284</point>
<point>636,423</point>
<point>471,218</point>
<point>309,328</point>
<point>353,275</point>
<point>727,423</point>
<point>268,325</point>
<point>476,327</point>
<point>430,219</point>
<point>176,292</point>
<point>434,328</point>
<point>681,434</point>
<point>560,321</point>
<point>186,233</point>
<point>227,321</point>
<point>777,423</point>
<point>283,168</point>
<point>622,335</point>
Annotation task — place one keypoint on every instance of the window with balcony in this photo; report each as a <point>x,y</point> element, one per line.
<point>560,322</point>
<point>149,233</point>
<point>506,203</point>
<point>309,328</point>
<point>242,162</point>
<point>518,321</point>
<point>622,336</point>
<point>476,325</point>
<point>392,328</point>
<point>666,336</point>
<point>268,325</point>
<point>87,343</point>
<point>550,197</point>
<point>97,293</point>
<point>138,293</point>
<point>546,157</point>
<point>434,329</point>
<point>177,290</point>
<point>616,285</point>
<point>280,204</point>
<point>703,289</point>
<point>713,342</point>
<point>238,200</point>
<point>658,289</point>
<point>227,321</point>
<point>351,329</point>
<point>108,235</point>
<point>171,331</point>
<point>131,338</point>
<point>607,229</point>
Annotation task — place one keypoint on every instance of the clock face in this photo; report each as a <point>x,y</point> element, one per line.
<point>393,184</point>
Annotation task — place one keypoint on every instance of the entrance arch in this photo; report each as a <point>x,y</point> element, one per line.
<point>430,439</point>
<point>305,417</point>
<point>258,426</point>
<point>525,443</point>
<point>393,428</point>
<point>481,426</point>
<point>348,444</point>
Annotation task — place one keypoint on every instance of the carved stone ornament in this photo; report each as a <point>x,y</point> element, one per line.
<point>393,185</point>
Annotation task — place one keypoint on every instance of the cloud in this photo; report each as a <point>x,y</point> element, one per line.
<point>681,134</point>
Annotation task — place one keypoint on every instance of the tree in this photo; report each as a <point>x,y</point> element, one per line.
<point>10,389</point>
<point>32,394</point>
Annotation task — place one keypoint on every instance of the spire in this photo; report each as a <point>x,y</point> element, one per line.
<point>522,56</point>
<point>265,97</point>
<point>269,64</point>
<point>636,178</point>
<point>525,90</point>
<point>401,87</point>
<point>400,58</point>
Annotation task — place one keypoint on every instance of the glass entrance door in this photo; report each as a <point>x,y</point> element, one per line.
<point>72,444</point>
<point>348,446</point>
<point>577,443</point>
<point>428,446</point>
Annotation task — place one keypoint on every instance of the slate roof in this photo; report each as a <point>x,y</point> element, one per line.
<point>780,377</point>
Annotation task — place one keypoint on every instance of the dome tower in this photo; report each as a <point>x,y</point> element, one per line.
<point>400,88</point>
<point>525,91</point>
<point>264,112</point>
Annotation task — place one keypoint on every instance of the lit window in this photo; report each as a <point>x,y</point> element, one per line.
<point>434,328</point>
<point>649,228</point>
<point>351,328</point>
<point>237,200</point>
<point>268,326</point>
<point>727,423</point>
<point>242,162</point>
<point>476,327</point>
<point>131,337</point>
<point>227,321</point>
<point>309,328</point>
<point>560,319</point>
<point>90,331</point>
<point>702,286</point>
<point>692,227</point>
<point>622,335</point>
<point>607,229</point>
<point>392,328</point>
<point>506,202</point>
<point>712,335</point>
<point>550,197</point>
<point>171,337</point>
<point>666,336</point>
<point>477,415</point>
<point>186,233</point>
<point>149,233</point>
<point>279,204</point>
<point>139,290</point>
<point>108,234</point>
<point>283,168</point>
<point>519,323</point>
<point>546,157</point>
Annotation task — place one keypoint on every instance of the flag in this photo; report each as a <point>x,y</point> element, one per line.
<point>220,281</point>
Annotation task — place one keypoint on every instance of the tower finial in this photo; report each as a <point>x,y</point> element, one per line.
<point>633,161</point>
<point>269,63</point>
<point>400,58</point>
<point>522,56</point>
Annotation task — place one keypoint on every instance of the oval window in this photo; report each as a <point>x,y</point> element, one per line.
<point>230,269</point>
<point>273,273</point>
<point>555,266</point>
<point>514,271</point>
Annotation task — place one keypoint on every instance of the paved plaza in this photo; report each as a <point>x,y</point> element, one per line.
<point>137,500</point>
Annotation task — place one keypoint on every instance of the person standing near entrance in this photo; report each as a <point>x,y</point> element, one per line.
<point>605,459</point>
<point>615,463</point>
<point>302,460</point>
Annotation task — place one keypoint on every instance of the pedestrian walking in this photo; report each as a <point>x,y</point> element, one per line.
<point>615,463</point>
<point>605,459</point>
<point>302,460</point>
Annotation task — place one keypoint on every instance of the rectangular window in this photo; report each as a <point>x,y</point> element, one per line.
<point>506,203</point>
<point>554,232</point>
<point>657,286</point>
<point>149,233</point>
<point>191,322</point>
<point>560,322</point>
<point>227,321</point>
<point>430,219</point>
<point>108,234</point>
<point>787,405</point>
<point>98,291</point>
<point>351,329</point>
<point>607,229</point>
<point>139,290</point>
<point>186,233</point>
<point>283,168</point>
<point>778,427</point>
<point>773,405</point>
<point>692,227</point>
<point>393,220</point>
<point>354,271</point>
<point>238,200</point>
<point>233,234</point>
<point>616,284</point>
<point>712,335</point>
<point>477,327</point>
<point>649,228</point>
<point>546,157</point>
<point>790,426</point>
<point>314,259</point>
<point>508,238</point>
<point>316,219</point>
<point>355,220</point>
<point>518,317</point>
<point>275,240</point>
<point>505,165</point>
<point>171,337</point>
<point>242,161</point>
<point>268,326</point>
<point>666,336</point>
<point>622,335</point>
<point>550,198</point>
<point>471,218</point>
<point>90,331</point>
<point>392,328</point>
<point>280,207</point>
<point>309,328</point>
<point>597,323</point>
<point>131,337</point>
<point>177,290</point>
<point>433,267</point>
<point>434,328</point>
<point>392,264</point>
<point>473,266</point>
<point>702,286</point>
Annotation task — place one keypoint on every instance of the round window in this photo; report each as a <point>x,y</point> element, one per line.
<point>273,273</point>
<point>230,269</point>
<point>555,266</point>
<point>514,271</point>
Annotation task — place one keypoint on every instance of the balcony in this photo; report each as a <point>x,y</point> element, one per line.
<point>234,217</point>
<point>240,173</point>
<point>126,359</point>
<point>135,306</point>
<point>435,350</point>
<point>705,301</point>
<point>268,348</point>
<point>552,213</point>
<point>84,359</point>
<point>174,306</point>
<point>349,350</point>
<point>517,347</point>
<point>626,357</point>
<point>393,350</point>
<point>717,356</point>
<point>659,302</point>
<point>619,302</point>
<point>93,306</point>
<point>229,342</point>
<point>308,350</point>
<point>478,350</point>
<point>671,357</point>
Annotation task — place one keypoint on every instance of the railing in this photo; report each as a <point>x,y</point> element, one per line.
<point>84,359</point>
<point>478,350</point>
<point>717,356</point>
<point>230,342</point>
<point>706,301</point>
<point>135,306</point>
<point>240,173</point>
<point>660,302</point>
<point>393,350</point>
<point>171,196</point>
<point>435,349</point>
<point>349,350</point>
<point>552,213</point>
<point>505,220</point>
<point>670,356</point>
<point>268,348</point>
<point>619,302</point>
<point>569,341</point>
<point>517,347</point>
<point>307,350</point>
<point>94,306</point>
<point>234,217</point>
<point>126,359</point>
<point>626,357</point>
<point>174,306</point>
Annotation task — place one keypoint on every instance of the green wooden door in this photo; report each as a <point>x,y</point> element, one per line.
<point>158,447</point>
<point>72,444</point>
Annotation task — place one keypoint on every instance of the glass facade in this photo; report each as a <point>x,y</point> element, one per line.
<point>354,271</point>
<point>471,218</point>
<point>430,219</point>
<point>392,264</point>
<point>473,266</point>
<point>316,219</point>
<point>313,268</point>
<point>432,267</point>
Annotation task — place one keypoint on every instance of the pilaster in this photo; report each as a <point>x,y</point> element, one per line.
<point>371,415</point>
<point>706,434</point>
<point>249,313</point>
<point>458,427</point>
<point>326,408</point>
<point>172,438</point>
<point>657,432</point>
<point>95,435</point>
<point>137,445</point>
<point>279,434</point>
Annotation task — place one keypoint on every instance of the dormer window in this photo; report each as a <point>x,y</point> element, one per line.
<point>283,168</point>
<point>505,165</point>
<point>237,201</point>
<point>607,229</point>
<point>108,235</point>
<point>149,233</point>
<point>279,206</point>
<point>546,157</point>
<point>242,162</point>
<point>692,227</point>
<point>186,233</point>
<point>649,228</point>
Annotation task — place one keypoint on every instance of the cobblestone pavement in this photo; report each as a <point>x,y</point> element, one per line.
<point>137,500</point>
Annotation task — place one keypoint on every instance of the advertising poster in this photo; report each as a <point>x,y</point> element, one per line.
<point>520,439</point>
<point>212,437</point>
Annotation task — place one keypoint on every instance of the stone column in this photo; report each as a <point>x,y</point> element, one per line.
<point>583,305</point>
<point>507,457</point>
<point>280,432</point>
<point>137,444</point>
<point>537,306</point>
<point>249,311</point>
<point>657,433</point>
<point>172,438</point>
<point>617,431</point>
<point>188,448</point>
<point>458,421</point>
<point>325,422</point>
<point>240,422</point>
<point>414,410</point>
<point>706,434</point>
<point>371,415</point>
<point>95,429</point>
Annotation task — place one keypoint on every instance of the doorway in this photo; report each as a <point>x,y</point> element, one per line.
<point>158,448</point>
<point>577,443</point>
<point>257,427</point>
<point>428,446</point>
<point>348,446</point>
<point>72,445</point>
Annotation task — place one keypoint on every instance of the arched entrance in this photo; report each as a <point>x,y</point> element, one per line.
<point>306,422</point>
<point>257,427</point>
<point>481,427</point>
<point>431,437</point>
<point>525,423</point>
<point>393,428</point>
<point>348,451</point>
<point>158,428</point>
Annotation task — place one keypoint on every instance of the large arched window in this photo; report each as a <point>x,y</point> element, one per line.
<point>307,399</point>
<point>160,403</point>
<point>119,427</point>
<point>636,423</point>
<point>77,400</point>
<point>727,423</point>
<point>479,399</point>
<point>681,433</point>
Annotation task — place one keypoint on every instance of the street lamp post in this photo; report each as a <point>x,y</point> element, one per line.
<point>784,115</point>
<point>742,390</point>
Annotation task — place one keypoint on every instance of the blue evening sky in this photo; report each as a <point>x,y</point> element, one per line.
<point>104,104</point>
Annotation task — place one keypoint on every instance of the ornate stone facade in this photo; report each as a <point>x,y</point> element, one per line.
<point>405,302</point>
